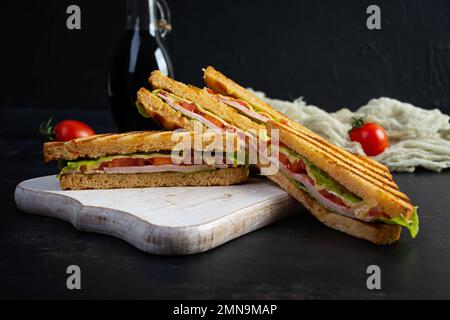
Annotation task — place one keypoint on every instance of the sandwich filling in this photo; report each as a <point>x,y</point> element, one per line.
<point>194,111</point>
<point>242,106</point>
<point>144,163</point>
<point>246,108</point>
<point>332,195</point>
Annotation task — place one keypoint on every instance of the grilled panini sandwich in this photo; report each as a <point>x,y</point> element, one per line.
<point>147,159</point>
<point>349,193</point>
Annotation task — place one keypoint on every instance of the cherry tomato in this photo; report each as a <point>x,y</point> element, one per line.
<point>372,137</point>
<point>71,129</point>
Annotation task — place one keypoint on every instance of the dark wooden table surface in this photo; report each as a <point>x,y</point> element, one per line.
<point>295,258</point>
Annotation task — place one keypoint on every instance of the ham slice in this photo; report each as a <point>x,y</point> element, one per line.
<point>313,192</point>
<point>244,110</point>
<point>188,113</point>
<point>242,135</point>
<point>164,168</point>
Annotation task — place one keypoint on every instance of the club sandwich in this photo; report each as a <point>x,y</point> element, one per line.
<point>350,193</point>
<point>147,159</point>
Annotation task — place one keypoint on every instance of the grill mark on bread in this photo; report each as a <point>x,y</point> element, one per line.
<point>380,166</point>
<point>90,138</point>
<point>324,144</point>
<point>124,136</point>
<point>132,142</point>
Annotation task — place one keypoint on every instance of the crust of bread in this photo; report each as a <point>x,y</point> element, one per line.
<point>378,167</point>
<point>132,142</point>
<point>219,177</point>
<point>159,81</point>
<point>220,83</point>
<point>166,116</point>
<point>377,233</point>
<point>352,172</point>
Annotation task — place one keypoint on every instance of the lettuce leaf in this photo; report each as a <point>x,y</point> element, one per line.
<point>324,180</point>
<point>412,224</point>
<point>299,185</point>
<point>74,166</point>
<point>92,164</point>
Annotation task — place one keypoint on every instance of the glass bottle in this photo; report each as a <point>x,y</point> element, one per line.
<point>140,50</point>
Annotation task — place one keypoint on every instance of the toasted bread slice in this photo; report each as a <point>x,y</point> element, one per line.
<point>377,233</point>
<point>219,177</point>
<point>132,142</point>
<point>166,116</point>
<point>220,83</point>
<point>357,175</point>
<point>159,81</point>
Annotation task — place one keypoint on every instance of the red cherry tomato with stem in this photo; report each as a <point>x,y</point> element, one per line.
<point>372,137</point>
<point>65,130</point>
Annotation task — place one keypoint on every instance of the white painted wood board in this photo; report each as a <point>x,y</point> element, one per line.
<point>166,221</point>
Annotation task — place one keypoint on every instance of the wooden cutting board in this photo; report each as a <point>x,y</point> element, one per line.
<point>166,221</point>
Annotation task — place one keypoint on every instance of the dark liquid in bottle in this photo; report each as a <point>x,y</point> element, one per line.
<point>131,65</point>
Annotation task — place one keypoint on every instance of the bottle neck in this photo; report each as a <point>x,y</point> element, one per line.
<point>141,15</point>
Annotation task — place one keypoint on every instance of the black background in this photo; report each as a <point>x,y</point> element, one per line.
<point>318,49</point>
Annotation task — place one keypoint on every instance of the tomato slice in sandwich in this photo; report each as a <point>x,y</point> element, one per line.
<point>157,161</point>
<point>283,158</point>
<point>213,120</point>
<point>298,166</point>
<point>122,162</point>
<point>189,106</point>
<point>330,196</point>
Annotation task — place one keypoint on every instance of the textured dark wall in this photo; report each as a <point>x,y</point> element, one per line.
<point>319,49</point>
